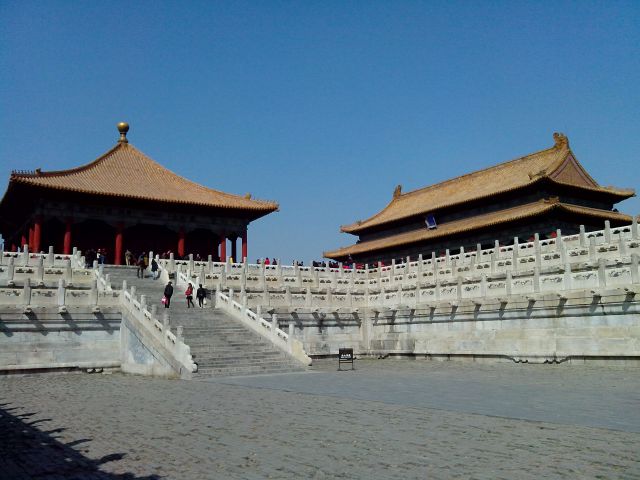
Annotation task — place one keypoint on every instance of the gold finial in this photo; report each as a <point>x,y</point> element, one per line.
<point>397,192</point>
<point>123,128</point>
<point>560,140</point>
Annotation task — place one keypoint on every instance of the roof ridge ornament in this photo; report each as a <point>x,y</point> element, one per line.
<point>123,128</point>
<point>560,140</point>
<point>397,191</point>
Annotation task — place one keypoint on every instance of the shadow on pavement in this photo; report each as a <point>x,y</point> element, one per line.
<point>28,452</point>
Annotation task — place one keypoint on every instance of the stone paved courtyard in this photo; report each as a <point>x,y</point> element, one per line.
<point>388,419</point>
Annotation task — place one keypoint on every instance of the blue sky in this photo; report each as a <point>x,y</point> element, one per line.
<point>322,106</point>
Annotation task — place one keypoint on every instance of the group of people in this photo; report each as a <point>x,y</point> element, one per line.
<point>99,254</point>
<point>142,262</point>
<point>267,261</point>
<point>201,295</point>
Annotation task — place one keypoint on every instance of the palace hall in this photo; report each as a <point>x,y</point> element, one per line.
<point>121,201</point>
<point>542,192</point>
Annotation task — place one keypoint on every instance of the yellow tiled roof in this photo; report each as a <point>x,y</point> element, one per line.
<point>124,171</point>
<point>473,223</point>
<point>547,164</point>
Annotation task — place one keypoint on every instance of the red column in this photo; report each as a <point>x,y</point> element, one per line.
<point>117,254</point>
<point>181,243</point>
<point>66,248</point>
<point>245,253</point>
<point>37,232</point>
<point>30,239</point>
<point>13,247</point>
<point>234,250</point>
<point>223,247</point>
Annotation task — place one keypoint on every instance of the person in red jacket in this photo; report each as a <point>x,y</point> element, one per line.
<point>189,294</point>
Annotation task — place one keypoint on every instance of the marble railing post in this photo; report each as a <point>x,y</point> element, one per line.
<point>583,236</point>
<point>607,231</point>
<point>459,288</point>
<point>210,263</point>
<point>26,292</point>
<point>25,256</point>
<point>622,247</point>
<point>602,272</point>
<point>447,258</point>
<point>537,250</point>
<point>635,234</point>
<point>165,326</point>
<point>191,269</point>
<point>172,263</point>
<point>291,329</point>
<point>308,298</point>
<point>592,249</point>
<point>437,287</point>
<point>143,302</point>
<point>287,294</point>
<point>50,259</point>
<point>483,285</point>
<point>68,272</point>
<point>10,269</point>
<point>568,278</point>
<point>635,274</point>
<point>179,334</point>
<point>93,295</point>
<point>478,252</point>
<point>274,324</point>
<point>61,292</point>
<point>516,247</point>
<point>560,246</point>
<point>508,283</point>
<point>536,279</point>
<point>40,269</point>
<point>329,299</point>
<point>133,292</point>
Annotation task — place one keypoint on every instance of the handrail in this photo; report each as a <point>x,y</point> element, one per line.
<point>270,331</point>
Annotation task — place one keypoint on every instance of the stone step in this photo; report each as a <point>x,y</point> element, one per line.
<point>236,371</point>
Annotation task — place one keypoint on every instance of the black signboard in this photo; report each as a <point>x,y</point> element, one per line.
<point>345,355</point>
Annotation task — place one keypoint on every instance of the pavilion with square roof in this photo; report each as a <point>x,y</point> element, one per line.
<point>125,200</point>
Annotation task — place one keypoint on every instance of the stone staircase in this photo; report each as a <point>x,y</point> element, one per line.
<point>219,344</point>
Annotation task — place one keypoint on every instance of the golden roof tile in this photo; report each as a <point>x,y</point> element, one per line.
<point>124,171</point>
<point>556,164</point>
<point>473,223</point>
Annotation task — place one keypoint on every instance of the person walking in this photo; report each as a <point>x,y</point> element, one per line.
<point>141,267</point>
<point>168,291</point>
<point>201,294</point>
<point>189,294</point>
<point>128,257</point>
<point>154,268</point>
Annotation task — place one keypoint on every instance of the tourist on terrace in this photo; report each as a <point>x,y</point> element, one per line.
<point>267,261</point>
<point>141,266</point>
<point>154,268</point>
<point>201,294</point>
<point>168,291</point>
<point>128,257</point>
<point>189,294</point>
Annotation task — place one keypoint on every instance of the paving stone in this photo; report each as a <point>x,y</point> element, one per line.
<point>276,426</point>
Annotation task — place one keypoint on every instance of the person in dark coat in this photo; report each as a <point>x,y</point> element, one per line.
<point>201,294</point>
<point>154,268</point>
<point>168,291</point>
